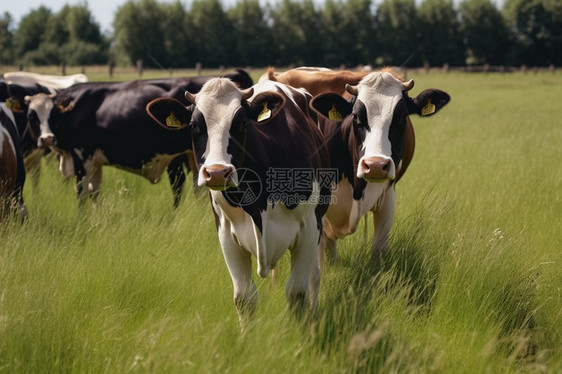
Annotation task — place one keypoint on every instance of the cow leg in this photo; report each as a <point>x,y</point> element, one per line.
<point>94,185</point>
<point>239,263</point>
<point>176,175</point>
<point>81,186</point>
<point>304,280</point>
<point>383,216</point>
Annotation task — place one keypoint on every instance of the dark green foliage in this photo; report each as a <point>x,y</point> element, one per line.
<point>479,20</point>
<point>292,32</point>
<point>69,37</point>
<point>6,40</point>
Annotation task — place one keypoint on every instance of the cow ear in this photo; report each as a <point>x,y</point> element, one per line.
<point>428,102</point>
<point>331,105</point>
<point>15,105</point>
<point>169,113</point>
<point>265,106</point>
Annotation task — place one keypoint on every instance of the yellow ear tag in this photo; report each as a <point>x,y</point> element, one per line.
<point>14,105</point>
<point>334,114</point>
<point>428,109</point>
<point>265,113</point>
<point>173,121</point>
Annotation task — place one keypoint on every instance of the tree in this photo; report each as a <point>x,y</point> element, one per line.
<point>288,35</point>
<point>6,40</point>
<point>31,31</point>
<point>360,33</point>
<point>311,25</point>
<point>213,33</point>
<point>479,19</point>
<point>253,40</point>
<point>177,42</point>
<point>77,37</point>
<point>536,28</point>
<point>397,31</point>
<point>333,25</point>
<point>441,41</point>
<point>139,33</point>
<point>70,36</point>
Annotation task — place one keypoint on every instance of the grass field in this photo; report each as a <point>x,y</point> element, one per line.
<point>472,282</point>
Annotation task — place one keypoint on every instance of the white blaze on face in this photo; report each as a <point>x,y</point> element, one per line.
<point>379,92</point>
<point>42,104</point>
<point>218,101</point>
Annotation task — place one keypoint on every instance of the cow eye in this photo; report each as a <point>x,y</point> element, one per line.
<point>357,121</point>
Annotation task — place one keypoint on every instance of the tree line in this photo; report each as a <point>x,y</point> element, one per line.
<point>291,32</point>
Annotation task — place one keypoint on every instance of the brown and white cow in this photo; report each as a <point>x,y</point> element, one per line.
<point>370,139</point>
<point>262,157</point>
<point>12,172</point>
<point>317,80</point>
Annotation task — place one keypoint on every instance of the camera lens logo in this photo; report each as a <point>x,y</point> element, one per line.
<point>249,188</point>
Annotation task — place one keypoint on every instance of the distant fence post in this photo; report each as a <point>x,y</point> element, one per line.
<point>551,68</point>
<point>445,68</point>
<point>198,68</point>
<point>110,66</point>
<point>524,69</point>
<point>63,68</point>
<point>139,67</point>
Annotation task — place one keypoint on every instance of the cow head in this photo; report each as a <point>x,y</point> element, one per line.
<point>374,120</point>
<point>220,117</point>
<point>41,110</point>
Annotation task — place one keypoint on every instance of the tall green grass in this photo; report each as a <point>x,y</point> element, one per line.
<point>471,283</point>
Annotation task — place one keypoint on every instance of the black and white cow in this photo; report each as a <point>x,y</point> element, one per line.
<point>12,171</point>
<point>261,156</point>
<point>371,141</point>
<point>14,87</point>
<point>95,124</point>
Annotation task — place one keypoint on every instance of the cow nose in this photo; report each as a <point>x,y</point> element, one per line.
<point>218,177</point>
<point>375,169</point>
<point>46,141</point>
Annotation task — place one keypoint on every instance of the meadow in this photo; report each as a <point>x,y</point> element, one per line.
<point>472,282</point>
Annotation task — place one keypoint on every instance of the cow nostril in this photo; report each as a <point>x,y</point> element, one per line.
<point>386,166</point>
<point>206,174</point>
<point>365,166</point>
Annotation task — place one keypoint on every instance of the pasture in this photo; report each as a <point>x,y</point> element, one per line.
<point>472,282</point>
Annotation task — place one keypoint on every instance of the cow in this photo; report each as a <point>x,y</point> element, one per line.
<point>105,123</point>
<point>14,87</point>
<point>317,80</point>
<point>261,156</point>
<point>371,142</point>
<point>52,82</point>
<point>12,171</point>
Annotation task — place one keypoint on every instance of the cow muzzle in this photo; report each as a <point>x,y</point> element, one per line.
<point>376,169</point>
<point>218,177</point>
<point>45,141</point>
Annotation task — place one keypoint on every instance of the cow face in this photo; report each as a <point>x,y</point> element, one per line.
<point>220,118</point>
<point>374,121</point>
<point>39,111</point>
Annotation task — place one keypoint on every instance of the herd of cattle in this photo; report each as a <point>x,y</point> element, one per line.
<point>291,162</point>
